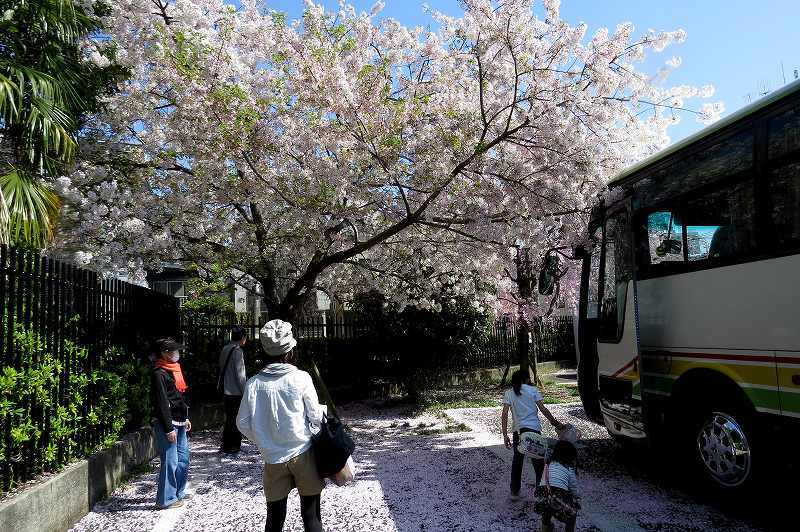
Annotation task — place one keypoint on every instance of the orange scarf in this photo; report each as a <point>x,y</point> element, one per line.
<point>177,374</point>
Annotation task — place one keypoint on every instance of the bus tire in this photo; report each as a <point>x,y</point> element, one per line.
<point>723,442</point>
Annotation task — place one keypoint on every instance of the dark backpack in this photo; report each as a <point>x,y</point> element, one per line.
<point>332,447</point>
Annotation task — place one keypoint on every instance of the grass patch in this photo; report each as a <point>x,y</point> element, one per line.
<point>558,393</point>
<point>476,395</point>
<point>447,429</point>
<point>440,406</point>
<point>432,429</point>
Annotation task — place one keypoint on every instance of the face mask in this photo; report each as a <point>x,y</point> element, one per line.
<point>174,356</point>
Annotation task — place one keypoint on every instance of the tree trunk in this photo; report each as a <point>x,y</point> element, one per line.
<point>289,309</point>
<point>525,285</point>
<point>537,342</point>
<point>523,346</point>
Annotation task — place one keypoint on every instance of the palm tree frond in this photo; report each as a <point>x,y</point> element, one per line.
<point>4,215</point>
<point>51,127</point>
<point>61,18</point>
<point>32,209</point>
<point>9,96</point>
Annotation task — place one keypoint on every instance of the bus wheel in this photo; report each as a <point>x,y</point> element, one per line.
<point>724,447</point>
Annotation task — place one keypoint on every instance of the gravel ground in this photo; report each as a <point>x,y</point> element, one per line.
<point>620,489</point>
<point>408,481</point>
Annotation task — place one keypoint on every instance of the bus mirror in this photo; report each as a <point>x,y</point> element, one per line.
<point>548,275</point>
<point>669,247</point>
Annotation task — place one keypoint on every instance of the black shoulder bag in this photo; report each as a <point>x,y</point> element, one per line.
<point>332,446</point>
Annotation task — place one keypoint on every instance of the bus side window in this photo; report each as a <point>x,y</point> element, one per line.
<point>664,237</point>
<point>784,188</point>
<point>784,134</point>
<point>784,178</point>
<point>720,224</point>
<point>617,273</point>
<point>593,299</point>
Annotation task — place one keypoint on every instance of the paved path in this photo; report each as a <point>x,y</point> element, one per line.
<point>407,482</point>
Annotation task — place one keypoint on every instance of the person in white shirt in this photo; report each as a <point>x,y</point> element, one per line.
<point>277,406</point>
<point>525,402</point>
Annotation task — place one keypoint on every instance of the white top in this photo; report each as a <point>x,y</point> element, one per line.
<point>562,477</point>
<point>523,407</point>
<point>276,408</point>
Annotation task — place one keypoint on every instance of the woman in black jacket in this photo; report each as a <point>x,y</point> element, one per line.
<point>170,423</point>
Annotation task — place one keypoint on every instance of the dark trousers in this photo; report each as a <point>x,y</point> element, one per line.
<point>231,437</point>
<point>519,460</point>
<point>309,510</point>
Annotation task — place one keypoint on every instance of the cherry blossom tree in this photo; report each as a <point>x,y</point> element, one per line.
<point>346,152</point>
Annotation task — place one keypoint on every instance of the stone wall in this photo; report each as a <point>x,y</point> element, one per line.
<point>59,502</point>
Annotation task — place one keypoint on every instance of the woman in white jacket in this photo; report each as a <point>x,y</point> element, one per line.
<point>277,406</point>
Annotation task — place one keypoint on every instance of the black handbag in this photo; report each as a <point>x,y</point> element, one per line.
<point>332,447</point>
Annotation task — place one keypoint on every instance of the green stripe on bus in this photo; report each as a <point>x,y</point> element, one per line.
<point>764,398</point>
<point>661,384</point>
<point>790,402</point>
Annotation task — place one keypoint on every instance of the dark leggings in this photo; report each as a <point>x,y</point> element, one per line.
<point>309,510</point>
<point>519,461</point>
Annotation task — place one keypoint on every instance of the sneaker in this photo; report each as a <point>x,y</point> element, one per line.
<point>515,496</point>
<point>187,496</point>
<point>176,504</point>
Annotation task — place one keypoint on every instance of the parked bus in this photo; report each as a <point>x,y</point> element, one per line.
<point>688,324</point>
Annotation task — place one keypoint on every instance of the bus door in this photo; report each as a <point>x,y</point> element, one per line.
<point>617,344</point>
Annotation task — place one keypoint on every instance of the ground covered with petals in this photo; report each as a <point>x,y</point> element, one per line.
<point>414,475</point>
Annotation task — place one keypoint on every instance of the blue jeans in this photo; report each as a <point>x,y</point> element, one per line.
<point>174,465</point>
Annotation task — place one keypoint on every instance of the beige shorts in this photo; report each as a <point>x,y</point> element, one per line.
<point>299,472</point>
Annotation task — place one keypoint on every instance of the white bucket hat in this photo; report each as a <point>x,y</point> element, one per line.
<point>277,338</point>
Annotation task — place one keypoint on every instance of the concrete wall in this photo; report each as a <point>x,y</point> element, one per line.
<point>61,501</point>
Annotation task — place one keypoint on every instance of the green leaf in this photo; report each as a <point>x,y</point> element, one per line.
<point>32,209</point>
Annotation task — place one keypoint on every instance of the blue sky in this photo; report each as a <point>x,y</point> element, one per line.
<point>735,45</point>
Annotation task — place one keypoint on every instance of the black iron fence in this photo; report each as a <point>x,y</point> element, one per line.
<point>355,354</point>
<point>73,365</point>
<point>75,373</point>
<point>553,339</point>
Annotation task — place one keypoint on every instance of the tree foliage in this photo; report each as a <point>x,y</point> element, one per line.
<point>52,77</point>
<point>349,152</point>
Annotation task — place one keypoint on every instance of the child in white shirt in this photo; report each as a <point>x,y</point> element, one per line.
<point>525,402</point>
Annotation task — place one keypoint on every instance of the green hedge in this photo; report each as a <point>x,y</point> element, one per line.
<point>57,408</point>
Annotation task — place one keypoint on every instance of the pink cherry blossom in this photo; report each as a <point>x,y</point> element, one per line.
<point>347,152</point>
